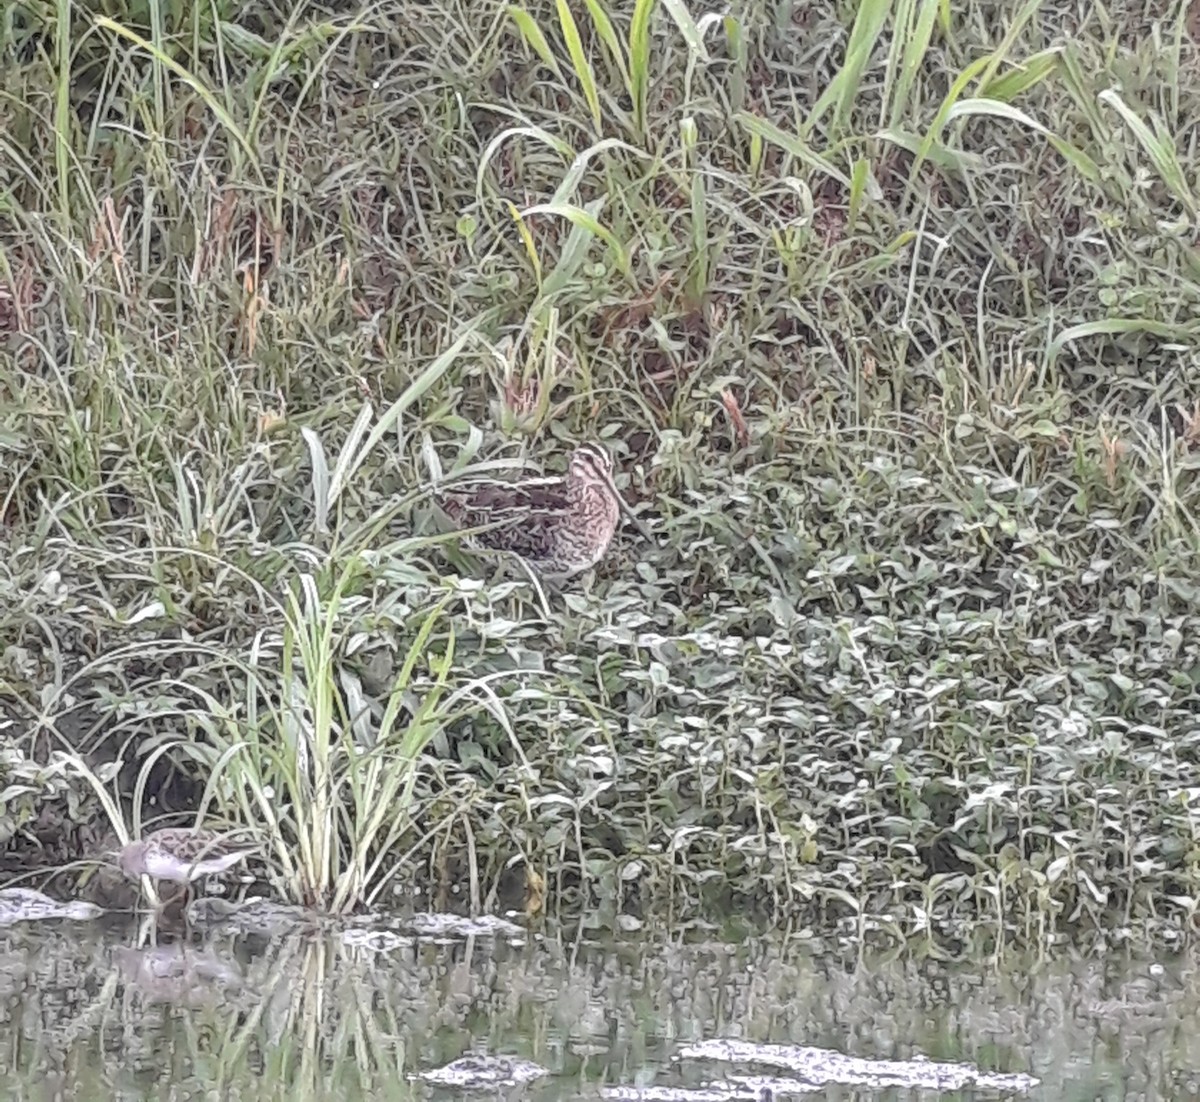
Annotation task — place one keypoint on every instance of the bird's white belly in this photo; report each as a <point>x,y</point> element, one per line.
<point>162,867</point>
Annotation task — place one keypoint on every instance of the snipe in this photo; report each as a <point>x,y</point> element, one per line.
<point>560,526</point>
<point>180,855</point>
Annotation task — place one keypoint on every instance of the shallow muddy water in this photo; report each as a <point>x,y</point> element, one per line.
<point>91,1013</point>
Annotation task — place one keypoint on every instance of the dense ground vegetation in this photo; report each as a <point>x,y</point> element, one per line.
<point>889,312</point>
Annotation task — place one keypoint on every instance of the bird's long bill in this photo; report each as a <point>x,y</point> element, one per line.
<point>627,510</point>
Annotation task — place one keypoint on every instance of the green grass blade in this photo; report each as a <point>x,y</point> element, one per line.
<point>579,166</point>
<point>565,150</point>
<point>860,175</point>
<point>527,242</point>
<point>790,143</point>
<point>949,160</point>
<point>195,83</point>
<point>843,89</point>
<point>608,35</point>
<point>578,216</point>
<point>573,253</point>
<point>912,46</point>
<point>688,27</point>
<point>946,19</point>
<point>997,57</point>
<point>411,393</point>
<point>934,136</point>
<point>533,37</point>
<point>970,108</point>
<point>1079,160</point>
<point>348,453</point>
<point>1077,82</point>
<point>320,478</point>
<point>1115,327</point>
<point>698,262</point>
<point>998,109</point>
<point>735,44</point>
<point>639,61</point>
<point>579,61</point>
<point>62,106</point>
<point>1160,147</point>
<point>1030,72</point>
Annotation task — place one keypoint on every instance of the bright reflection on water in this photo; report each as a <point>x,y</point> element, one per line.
<point>90,1015</point>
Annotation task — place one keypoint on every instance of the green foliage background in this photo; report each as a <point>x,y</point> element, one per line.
<point>888,311</point>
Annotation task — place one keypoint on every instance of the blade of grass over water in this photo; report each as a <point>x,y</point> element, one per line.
<point>342,780</point>
<point>382,781</point>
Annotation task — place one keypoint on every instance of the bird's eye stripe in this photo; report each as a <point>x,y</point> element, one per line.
<point>596,454</point>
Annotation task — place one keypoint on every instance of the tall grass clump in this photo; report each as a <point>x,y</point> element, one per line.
<point>325,771</point>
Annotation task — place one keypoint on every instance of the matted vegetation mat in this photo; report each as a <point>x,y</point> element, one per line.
<point>888,313</point>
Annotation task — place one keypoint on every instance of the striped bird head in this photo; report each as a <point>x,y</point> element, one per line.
<point>591,468</point>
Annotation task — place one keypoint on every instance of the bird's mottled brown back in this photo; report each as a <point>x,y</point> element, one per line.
<point>524,515</point>
<point>560,526</point>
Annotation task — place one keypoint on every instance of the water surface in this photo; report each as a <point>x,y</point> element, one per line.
<point>97,1010</point>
